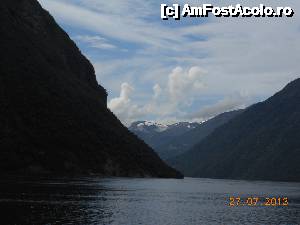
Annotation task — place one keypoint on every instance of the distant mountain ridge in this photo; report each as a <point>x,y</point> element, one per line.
<point>261,143</point>
<point>156,134</point>
<point>153,133</point>
<point>53,113</point>
<point>172,140</point>
<point>147,127</point>
<point>187,140</point>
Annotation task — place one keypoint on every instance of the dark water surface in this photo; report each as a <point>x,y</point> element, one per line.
<point>91,200</point>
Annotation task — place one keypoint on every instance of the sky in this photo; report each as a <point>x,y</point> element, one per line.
<point>186,70</point>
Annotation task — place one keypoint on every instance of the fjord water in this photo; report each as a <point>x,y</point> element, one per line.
<point>90,200</point>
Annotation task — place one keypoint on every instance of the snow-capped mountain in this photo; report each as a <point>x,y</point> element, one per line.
<point>148,126</point>
<point>156,134</point>
<point>154,127</point>
<point>172,140</point>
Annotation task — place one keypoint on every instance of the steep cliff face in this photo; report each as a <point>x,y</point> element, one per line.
<point>30,31</point>
<point>260,143</point>
<point>53,114</point>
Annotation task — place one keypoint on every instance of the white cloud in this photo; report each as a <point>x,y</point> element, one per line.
<point>165,101</point>
<point>225,105</point>
<point>123,107</point>
<point>94,41</point>
<point>157,91</point>
<point>121,26</point>
<point>182,84</point>
<point>123,100</point>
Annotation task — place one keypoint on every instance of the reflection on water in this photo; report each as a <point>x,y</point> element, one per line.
<point>91,200</point>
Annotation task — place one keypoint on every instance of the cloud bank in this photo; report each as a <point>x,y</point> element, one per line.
<point>185,70</point>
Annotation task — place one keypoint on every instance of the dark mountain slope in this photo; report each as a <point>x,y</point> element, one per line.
<point>261,143</point>
<point>187,140</point>
<point>53,114</point>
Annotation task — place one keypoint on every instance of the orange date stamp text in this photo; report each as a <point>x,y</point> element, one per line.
<point>258,201</point>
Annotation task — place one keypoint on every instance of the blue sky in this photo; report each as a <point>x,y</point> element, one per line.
<point>187,70</point>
